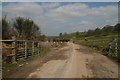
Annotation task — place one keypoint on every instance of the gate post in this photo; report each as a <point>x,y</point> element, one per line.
<point>25,48</point>
<point>110,49</point>
<point>33,47</point>
<point>38,47</point>
<point>14,49</point>
<point>116,49</point>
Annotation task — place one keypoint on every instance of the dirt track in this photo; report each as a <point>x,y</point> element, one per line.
<point>71,61</point>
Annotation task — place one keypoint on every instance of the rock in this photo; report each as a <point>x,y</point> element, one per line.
<point>112,72</point>
<point>38,69</point>
<point>26,63</point>
<point>8,70</point>
<point>20,65</point>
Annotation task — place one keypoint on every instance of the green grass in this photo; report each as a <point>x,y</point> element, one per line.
<point>100,43</point>
<point>96,41</point>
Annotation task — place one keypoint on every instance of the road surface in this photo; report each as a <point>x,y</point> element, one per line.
<point>71,61</point>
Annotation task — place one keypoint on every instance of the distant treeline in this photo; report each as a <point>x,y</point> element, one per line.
<point>106,30</point>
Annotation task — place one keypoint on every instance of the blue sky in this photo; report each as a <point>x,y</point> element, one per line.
<point>56,17</point>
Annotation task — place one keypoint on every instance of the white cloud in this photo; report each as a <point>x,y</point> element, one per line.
<point>50,5</point>
<point>57,17</point>
<point>23,9</point>
<point>17,0</point>
<point>68,11</point>
<point>61,0</point>
<point>80,9</point>
<point>85,22</point>
<point>106,11</point>
<point>72,9</point>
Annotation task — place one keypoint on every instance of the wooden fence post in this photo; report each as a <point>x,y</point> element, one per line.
<point>38,47</point>
<point>25,49</point>
<point>33,47</point>
<point>110,49</point>
<point>14,49</point>
<point>116,48</point>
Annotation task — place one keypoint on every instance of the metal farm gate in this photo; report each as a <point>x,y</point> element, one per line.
<point>26,48</point>
<point>15,50</point>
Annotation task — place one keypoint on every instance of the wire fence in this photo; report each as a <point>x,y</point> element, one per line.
<point>113,48</point>
<point>27,48</point>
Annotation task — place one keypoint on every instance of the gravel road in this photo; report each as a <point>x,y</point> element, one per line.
<point>71,61</point>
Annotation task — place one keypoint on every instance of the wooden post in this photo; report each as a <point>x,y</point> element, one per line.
<point>14,49</point>
<point>25,49</point>
<point>110,49</point>
<point>33,47</point>
<point>116,49</point>
<point>38,47</point>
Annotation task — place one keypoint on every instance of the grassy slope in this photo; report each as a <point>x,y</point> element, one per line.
<point>96,41</point>
<point>100,43</point>
<point>92,41</point>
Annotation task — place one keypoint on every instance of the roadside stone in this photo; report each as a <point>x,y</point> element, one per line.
<point>8,70</point>
<point>26,63</point>
<point>20,65</point>
<point>38,69</point>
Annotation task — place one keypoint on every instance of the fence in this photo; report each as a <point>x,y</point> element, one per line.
<point>113,48</point>
<point>18,49</point>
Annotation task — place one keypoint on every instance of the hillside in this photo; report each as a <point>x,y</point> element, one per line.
<point>98,39</point>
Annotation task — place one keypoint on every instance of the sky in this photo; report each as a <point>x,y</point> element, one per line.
<point>60,0</point>
<point>60,17</point>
